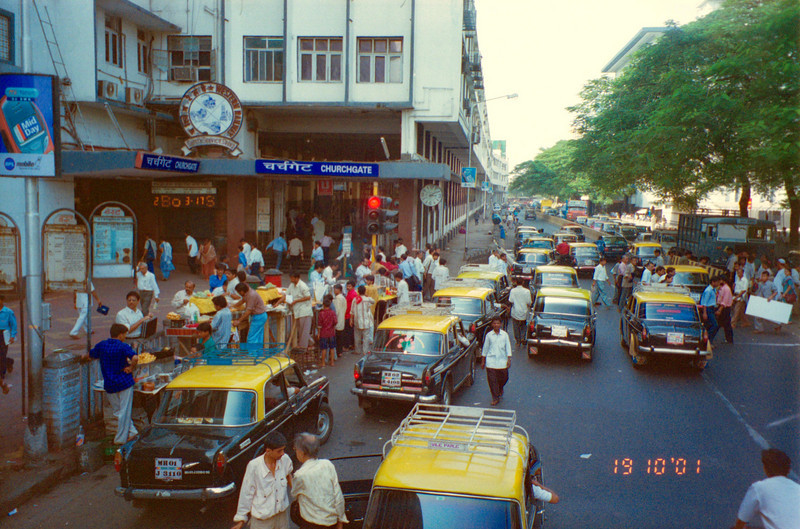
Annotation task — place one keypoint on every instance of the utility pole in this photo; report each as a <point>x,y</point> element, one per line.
<point>36,432</point>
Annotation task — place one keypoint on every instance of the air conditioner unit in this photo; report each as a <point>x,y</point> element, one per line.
<point>134,96</point>
<point>182,74</point>
<point>107,89</point>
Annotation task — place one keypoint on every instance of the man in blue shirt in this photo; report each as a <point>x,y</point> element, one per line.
<point>218,278</point>
<point>117,362</point>
<point>317,254</point>
<point>8,333</point>
<point>279,246</point>
<point>708,306</point>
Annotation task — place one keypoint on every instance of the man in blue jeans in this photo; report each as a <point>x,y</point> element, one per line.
<point>279,246</point>
<point>708,305</point>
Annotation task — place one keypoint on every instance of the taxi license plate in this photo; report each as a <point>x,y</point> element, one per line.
<point>589,262</point>
<point>526,269</point>
<point>675,338</point>
<point>695,296</point>
<point>169,468</point>
<point>559,331</point>
<point>390,379</point>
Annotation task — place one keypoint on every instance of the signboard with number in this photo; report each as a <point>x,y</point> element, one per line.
<point>8,259</point>
<point>469,175</point>
<point>324,187</point>
<point>65,246</point>
<point>113,243</point>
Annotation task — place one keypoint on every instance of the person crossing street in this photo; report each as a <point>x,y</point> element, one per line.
<point>496,358</point>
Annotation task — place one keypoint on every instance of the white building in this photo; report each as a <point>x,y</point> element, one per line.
<point>390,82</point>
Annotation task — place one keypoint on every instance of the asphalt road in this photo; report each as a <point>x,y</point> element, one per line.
<point>661,447</point>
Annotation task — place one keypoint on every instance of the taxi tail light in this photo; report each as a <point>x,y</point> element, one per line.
<point>118,461</point>
<point>426,377</point>
<point>472,328</point>
<point>220,461</point>
<point>587,332</point>
<point>356,373</point>
<point>644,333</point>
<point>705,336</point>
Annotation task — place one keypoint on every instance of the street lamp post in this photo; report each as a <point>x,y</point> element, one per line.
<point>472,106</point>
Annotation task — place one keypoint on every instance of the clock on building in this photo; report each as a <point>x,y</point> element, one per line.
<point>431,195</point>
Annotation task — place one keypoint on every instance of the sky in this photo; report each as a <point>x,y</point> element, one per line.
<point>546,50</point>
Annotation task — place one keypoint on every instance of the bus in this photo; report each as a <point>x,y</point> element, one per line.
<point>576,208</point>
<point>708,236</point>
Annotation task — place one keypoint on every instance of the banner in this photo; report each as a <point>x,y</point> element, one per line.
<point>469,176</point>
<point>289,167</point>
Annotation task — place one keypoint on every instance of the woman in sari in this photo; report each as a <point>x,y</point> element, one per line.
<point>166,259</point>
<point>208,258</point>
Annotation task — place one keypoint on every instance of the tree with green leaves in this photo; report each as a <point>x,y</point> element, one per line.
<point>714,104</point>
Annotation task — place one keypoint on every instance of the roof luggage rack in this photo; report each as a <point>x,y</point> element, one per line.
<point>464,282</point>
<point>424,309</point>
<point>662,288</point>
<point>458,429</point>
<point>480,267</point>
<point>246,355</point>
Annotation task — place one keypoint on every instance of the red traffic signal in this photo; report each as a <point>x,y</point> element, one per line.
<point>374,203</point>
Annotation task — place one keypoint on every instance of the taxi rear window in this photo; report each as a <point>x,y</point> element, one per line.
<point>204,407</point>
<point>556,279</point>
<point>408,342</point>
<point>470,306</point>
<point>537,258</point>
<point>554,305</point>
<point>538,244</point>
<point>403,509</point>
<point>690,278</point>
<point>585,251</point>
<point>668,311</point>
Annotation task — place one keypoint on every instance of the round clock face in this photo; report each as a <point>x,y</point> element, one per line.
<point>211,114</point>
<point>430,195</point>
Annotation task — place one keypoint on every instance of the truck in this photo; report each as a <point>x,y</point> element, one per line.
<point>577,208</point>
<point>709,235</point>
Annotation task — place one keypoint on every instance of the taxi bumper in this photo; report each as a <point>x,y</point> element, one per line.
<point>203,494</point>
<point>373,393</point>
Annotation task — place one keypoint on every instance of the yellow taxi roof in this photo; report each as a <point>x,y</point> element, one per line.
<point>231,376</point>
<point>464,292</point>
<point>645,243</point>
<point>564,292</point>
<point>424,469</point>
<point>419,322</point>
<point>481,274</point>
<point>542,239</point>
<point>527,228</point>
<point>664,297</point>
<point>555,269</point>
<point>690,268</point>
<point>534,250</point>
<point>582,245</point>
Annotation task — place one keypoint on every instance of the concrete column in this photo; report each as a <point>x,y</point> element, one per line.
<point>236,215</point>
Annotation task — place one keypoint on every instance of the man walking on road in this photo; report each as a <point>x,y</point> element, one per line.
<point>147,287</point>
<point>625,271</point>
<point>117,362</point>
<point>773,502</point>
<point>264,494</point>
<point>708,308</point>
<point>724,307</point>
<point>192,249</point>
<point>316,487</point>
<point>496,355</point>
<point>599,283</point>
<point>279,246</point>
<point>520,299</point>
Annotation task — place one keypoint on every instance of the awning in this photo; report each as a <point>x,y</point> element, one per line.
<point>141,17</point>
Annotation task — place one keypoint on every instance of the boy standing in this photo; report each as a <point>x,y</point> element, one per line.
<point>327,320</point>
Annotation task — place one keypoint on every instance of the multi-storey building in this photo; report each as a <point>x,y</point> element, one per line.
<point>387,82</point>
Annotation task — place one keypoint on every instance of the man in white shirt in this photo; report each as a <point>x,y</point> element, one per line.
<point>399,248</point>
<point>147,286</point>
<point>600,283</point>
<point>428,266</point>
<point>773,503</point>
<point>255,262</point>
<point>180,301</point>
<point>362,320</point>
<point>362,272</point>
<point>233,280</point>
<point>192,251</point>
<point>501,265</point>
<point>295,253</point>
<point>315,486</point>
<point>81,301</point>
<point>131,316</point>
<point>326,242</point>
<point>340,307</point>
<point>246,248</point>
<point>402,288</point>
<point>301,308</point>
<point>520,299</point>
<point>331,273</point>
<point>496,358</point>
<point>264,494</point>
<point>647,273</point>
<point>493,258</point>
<point>440,274</point>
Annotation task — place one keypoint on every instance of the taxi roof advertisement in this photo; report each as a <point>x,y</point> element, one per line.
<point>29,125</point>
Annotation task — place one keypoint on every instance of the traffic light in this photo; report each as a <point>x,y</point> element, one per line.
<point>380,219</point>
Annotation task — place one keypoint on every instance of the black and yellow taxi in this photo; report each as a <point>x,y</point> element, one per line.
<point>585,256</point>
<point>645,250</point>
<point>537,241</point>
<point>664,321</point>
<point>474,304</point>
<point>212,420</point>
<point>566,237</point>
<point>419,354</point>
<point>574,229</point>
<point>454,466</point>
<point>693,277</point>
<point>492,278</point>
<point>554,276</point>
<point>527,259</point>
<point>523,234</point>
<point>562,318</point>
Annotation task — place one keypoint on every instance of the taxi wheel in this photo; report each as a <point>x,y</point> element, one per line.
<point>370,406</point>
<point>324,423</point>
<point>447,392</point>
<point>699,365</point>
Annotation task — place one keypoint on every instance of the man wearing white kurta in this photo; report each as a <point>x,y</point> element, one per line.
<point>496,355</point>
<point>147,286</point>
<point>520,299</point>
<point>180,301</point>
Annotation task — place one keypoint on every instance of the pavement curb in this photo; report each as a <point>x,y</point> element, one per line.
<point>18,486</point>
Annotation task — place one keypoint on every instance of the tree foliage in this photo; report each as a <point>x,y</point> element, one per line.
<point>712,104</point>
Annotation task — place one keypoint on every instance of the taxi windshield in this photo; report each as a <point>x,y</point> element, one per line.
<point>405,341</point>
<point>537,244</point>
<point>405,509</point>
<point>198,407</point>
<point>555,305</point>
<point>690,278</point>
<point>647,251</point>
<point>535,258</point>
<point>668,311</point>
<point>586,252</point>
<point>462,306</point>
<point>556,279</point>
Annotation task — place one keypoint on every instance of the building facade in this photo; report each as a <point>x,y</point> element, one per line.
<point>388,84</point>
